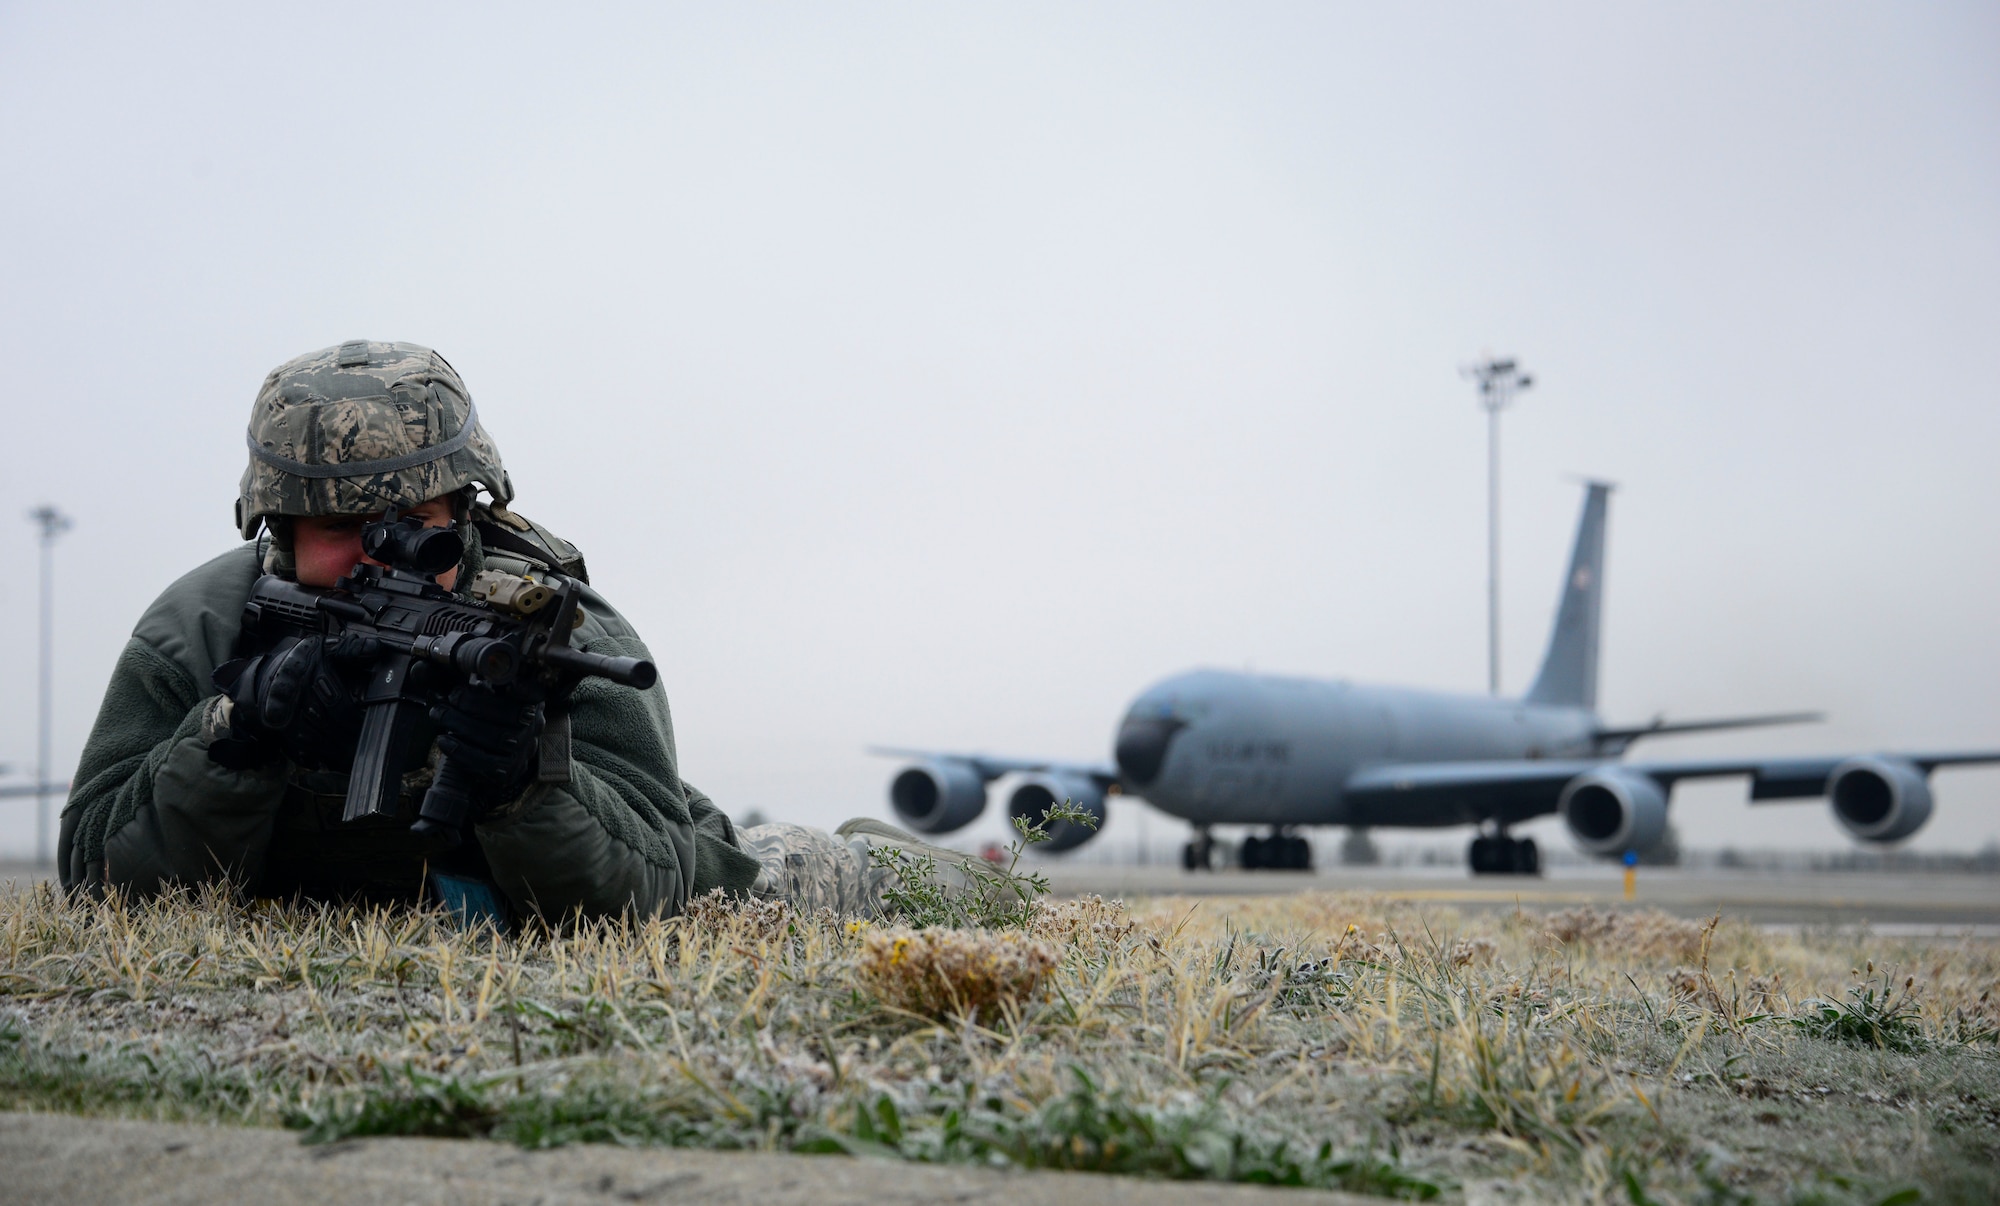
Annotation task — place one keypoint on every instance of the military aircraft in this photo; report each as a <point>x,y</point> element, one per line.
<point>1218,747</point>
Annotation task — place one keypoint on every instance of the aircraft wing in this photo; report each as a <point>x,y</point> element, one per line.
<point>1793,778</point>
<point>988,767</point>
<point>1516,790</point>
<point>1613,742</point>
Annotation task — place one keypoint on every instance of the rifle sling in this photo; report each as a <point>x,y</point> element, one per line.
<point>552,750</point>
<point>493,536</point>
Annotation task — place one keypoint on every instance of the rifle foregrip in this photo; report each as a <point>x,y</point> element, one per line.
<point>627,671</point>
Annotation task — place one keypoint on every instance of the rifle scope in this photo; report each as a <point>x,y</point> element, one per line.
<point>406,544</point>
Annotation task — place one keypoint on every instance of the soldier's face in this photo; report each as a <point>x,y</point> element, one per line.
<point>325,547</point>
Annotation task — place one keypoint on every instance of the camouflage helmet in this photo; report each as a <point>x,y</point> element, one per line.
<point>360,428</point>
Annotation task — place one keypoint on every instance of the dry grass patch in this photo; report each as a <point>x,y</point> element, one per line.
<point>954,973</point>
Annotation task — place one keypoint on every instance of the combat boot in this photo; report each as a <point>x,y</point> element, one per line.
<point>842,871</point>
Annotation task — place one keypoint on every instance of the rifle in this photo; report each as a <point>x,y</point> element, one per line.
<point>512,630</point>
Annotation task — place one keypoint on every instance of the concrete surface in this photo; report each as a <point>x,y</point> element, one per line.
<point>51,1158</point>
<point>18,874</point>
<point>1891,902</point>
<point>1944,902</point>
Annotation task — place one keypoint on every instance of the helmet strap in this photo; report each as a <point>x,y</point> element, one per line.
<point>278,556</point>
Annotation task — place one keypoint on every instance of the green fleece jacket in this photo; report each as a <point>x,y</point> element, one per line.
<point>149,809</point>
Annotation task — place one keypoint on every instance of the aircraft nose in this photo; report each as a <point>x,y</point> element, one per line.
<point>1142,746</point>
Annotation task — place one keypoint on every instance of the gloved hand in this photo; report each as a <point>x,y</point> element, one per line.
<point>292,702</point>
<point>490,736</point>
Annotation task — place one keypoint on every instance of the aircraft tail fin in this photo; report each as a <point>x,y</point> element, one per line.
<point>1569,668</point>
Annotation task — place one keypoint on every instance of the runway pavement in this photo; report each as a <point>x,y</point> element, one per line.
<point>20,874</point>
<point>1898,902</point>
<point>1903,902</point>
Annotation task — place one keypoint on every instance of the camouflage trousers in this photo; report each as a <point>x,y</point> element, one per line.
<point>814,869</point>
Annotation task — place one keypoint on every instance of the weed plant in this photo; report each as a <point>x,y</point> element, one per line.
<point>977,894</point>
<point>1873,1015</point>
<point>1314,1040</point>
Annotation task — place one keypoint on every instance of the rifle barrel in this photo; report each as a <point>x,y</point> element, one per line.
<point>627,671</point>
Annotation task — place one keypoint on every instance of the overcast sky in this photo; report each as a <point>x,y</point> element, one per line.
<point>944,374</point>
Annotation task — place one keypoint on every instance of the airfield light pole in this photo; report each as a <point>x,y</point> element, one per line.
<point>53,523</point>
<point>1498,380</point>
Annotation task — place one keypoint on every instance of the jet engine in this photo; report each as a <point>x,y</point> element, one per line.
<point>1040,792</point>
<point>1879,800</point>
<point>938,796</point>
<point>1611,811</point>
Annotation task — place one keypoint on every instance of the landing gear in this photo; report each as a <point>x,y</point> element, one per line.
<point>1199,853</point>
<point>1498,854</point>
<point>1278,852</point>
